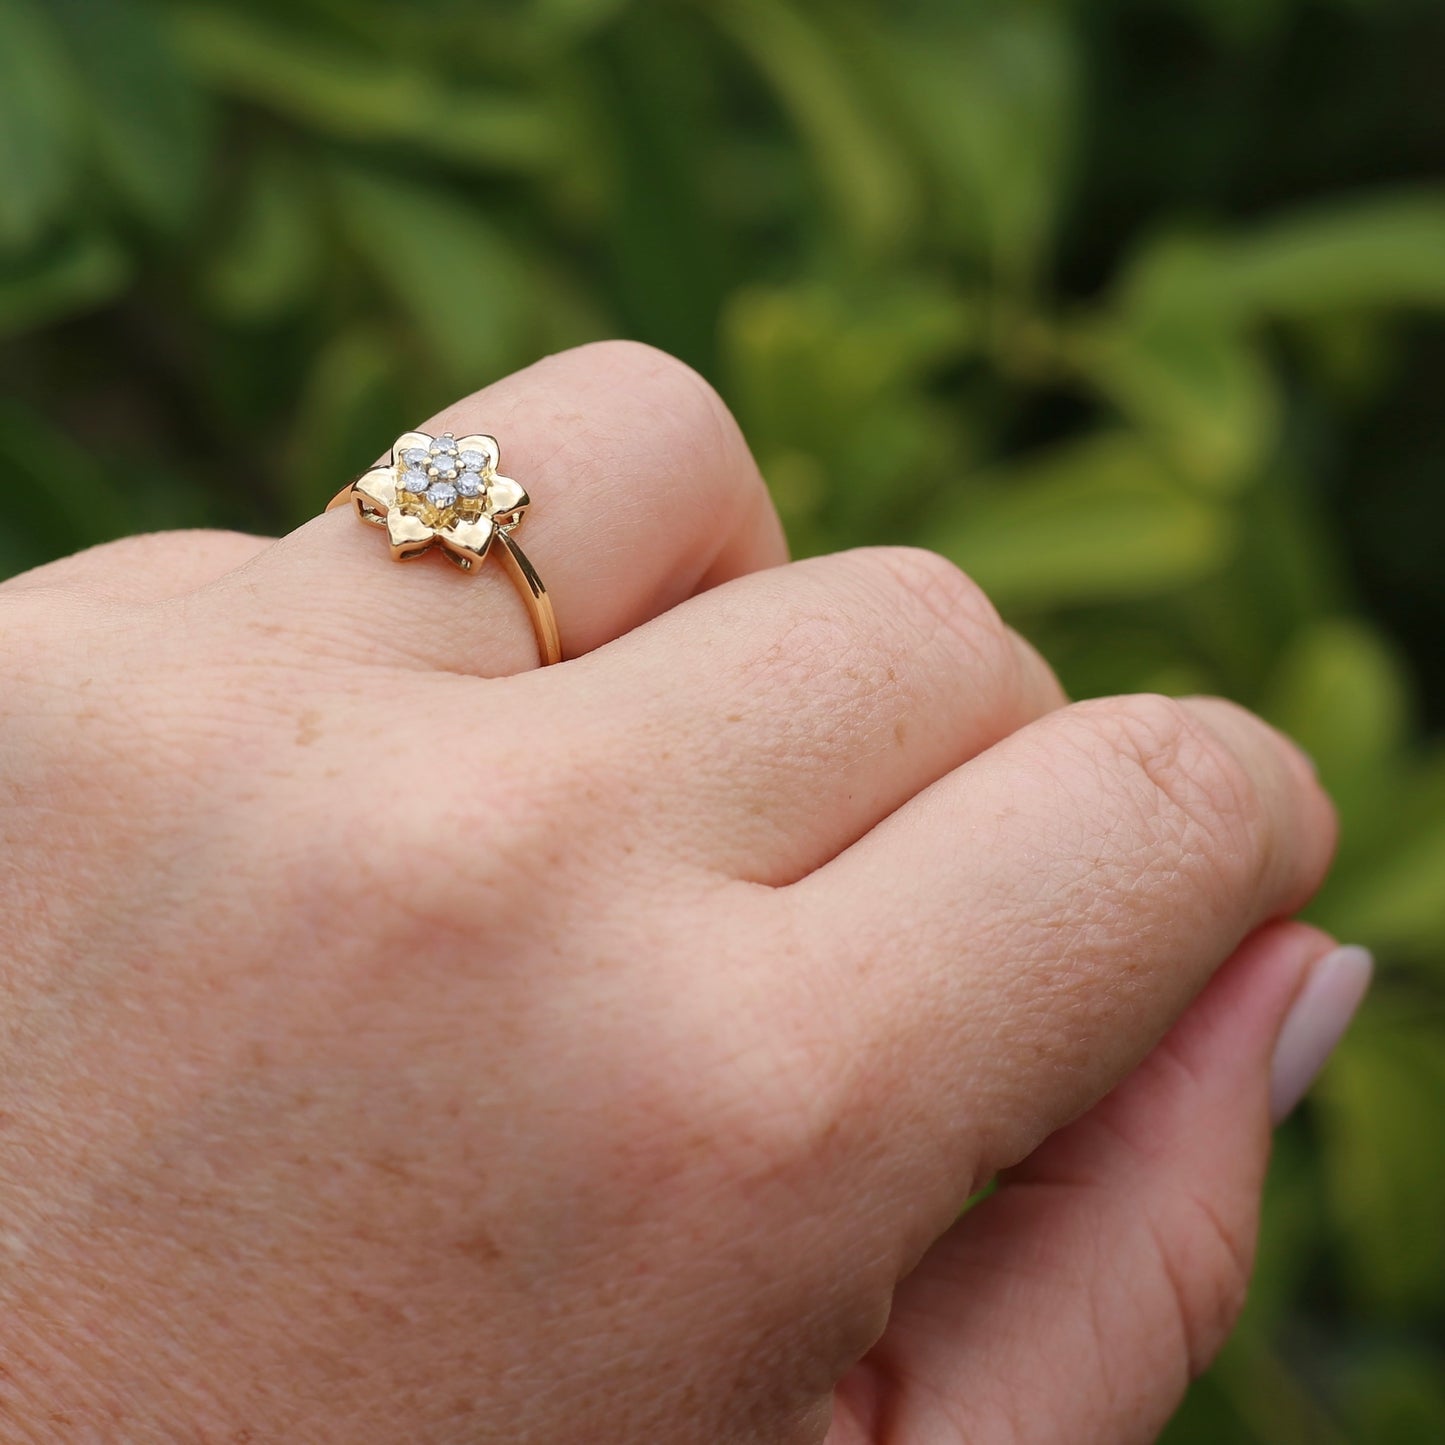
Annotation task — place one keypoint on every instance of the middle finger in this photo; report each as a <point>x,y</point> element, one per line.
<point>767,725</point>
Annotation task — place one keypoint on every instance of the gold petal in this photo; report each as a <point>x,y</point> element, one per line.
<point>378,487</point>
<point>505,497</point>
<point>410,536</point>
<point>467,542</point>
<point>481,442</point>
<point>406,441</point>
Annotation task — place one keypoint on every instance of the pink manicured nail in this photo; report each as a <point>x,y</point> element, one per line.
<point>1315,1024</point>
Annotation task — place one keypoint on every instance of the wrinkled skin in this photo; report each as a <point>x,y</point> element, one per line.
<point>403,1043</point>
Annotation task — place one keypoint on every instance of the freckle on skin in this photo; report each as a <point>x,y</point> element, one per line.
<point>479,1246</point>
<point>308,729</point>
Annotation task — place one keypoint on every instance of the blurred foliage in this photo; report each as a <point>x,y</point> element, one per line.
<point>1131,306</point>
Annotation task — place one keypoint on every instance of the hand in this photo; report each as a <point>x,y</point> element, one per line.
<point>400,1044</point>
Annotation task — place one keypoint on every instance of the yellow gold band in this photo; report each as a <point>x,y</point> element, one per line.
<point>445,494</point>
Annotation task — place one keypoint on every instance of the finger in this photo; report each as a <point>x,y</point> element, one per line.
<point>149,567</point>
<point>642,490</point>
<point>1006,947</point>
<point>760,729</point>
<point>1104,1273</point>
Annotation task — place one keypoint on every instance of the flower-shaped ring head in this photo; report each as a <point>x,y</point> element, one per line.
<point>442,492</point>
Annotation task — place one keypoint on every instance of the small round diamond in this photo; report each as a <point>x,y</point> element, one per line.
<point>441,494</point>
<point>474,461</point>
<point>415,482</point>
<point>469,484</point>
<point>445,443</point>
<point>444,465</point>
<point>414,457</point>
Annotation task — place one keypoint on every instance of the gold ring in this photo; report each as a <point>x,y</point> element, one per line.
<point>445,492</point>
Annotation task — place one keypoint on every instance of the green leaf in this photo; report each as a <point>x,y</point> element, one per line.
<point>149,127</point>
<point>346,92</point>
<point>59,498</point>
<point>1397,1398</point>
<point>1362,254</point>
<point>827,382</point>
<point>1340,691</point>
<point>1398,902</point>
<point>991,95</point>
<point>271,254</point>
<point>468,292</point>
<point>867,175</point>
<point>1097,520</point>
<point>39,123</point>
<point>80,271</point>
<point>1377,1109</point>
<point>567,21</point>
<point>1202,391</point>
<point>348,413</point>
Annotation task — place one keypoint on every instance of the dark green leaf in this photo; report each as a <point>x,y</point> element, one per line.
<point>70,275</point>
<point>39,125</point>
<point>147,121</point>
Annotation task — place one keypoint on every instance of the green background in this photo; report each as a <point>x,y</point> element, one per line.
<point>1134,309</point>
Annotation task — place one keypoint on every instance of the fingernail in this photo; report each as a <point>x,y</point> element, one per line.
<point>1315,1024</point>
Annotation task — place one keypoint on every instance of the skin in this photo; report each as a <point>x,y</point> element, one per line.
<point>402,1043</point>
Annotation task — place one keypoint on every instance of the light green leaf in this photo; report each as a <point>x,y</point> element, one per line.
<point>1398,901</point>
<point>39,123</point>
<point>1341,692</point>
<point>149,127</point>
<point>827,383</point>
<point>1369,252</point>
<point>1097,520</point>
<point>810,359</point>
<point>1203,392</point>
<point>1377,1109</point>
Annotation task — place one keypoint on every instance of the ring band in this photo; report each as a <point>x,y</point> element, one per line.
<point>445,493</point>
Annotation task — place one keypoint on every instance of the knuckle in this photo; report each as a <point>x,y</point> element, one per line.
<point>1192,789</point>
<point>857,636</point>
<point>679,396</point>
<point>939,602</point>
<point>937,592</point>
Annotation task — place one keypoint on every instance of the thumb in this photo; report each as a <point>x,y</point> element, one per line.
<point>1077,1302</point>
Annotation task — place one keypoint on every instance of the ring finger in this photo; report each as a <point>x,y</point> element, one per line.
<point>642,492</point>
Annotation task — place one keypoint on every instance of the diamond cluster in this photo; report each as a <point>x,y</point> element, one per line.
<point>442,474</point>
